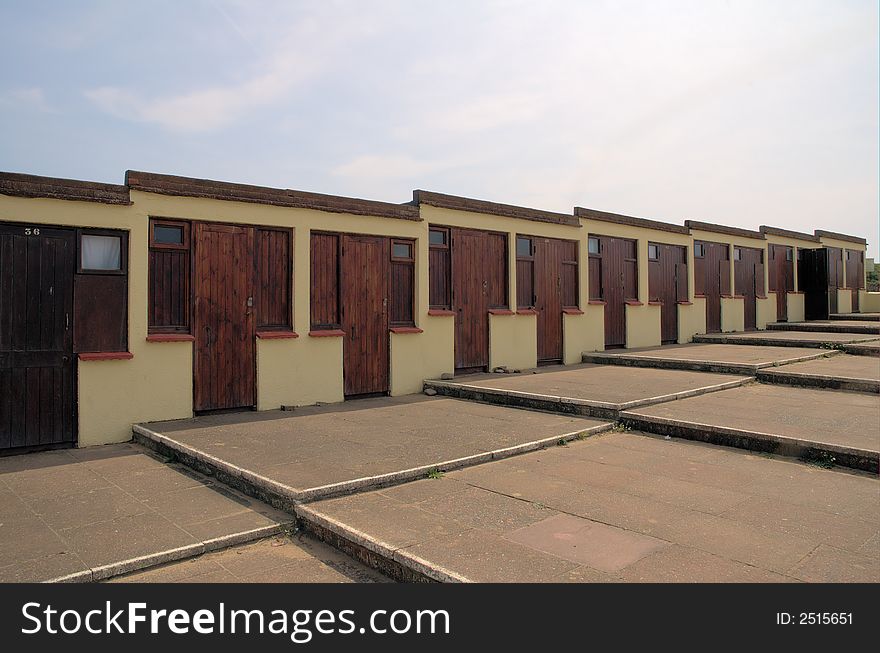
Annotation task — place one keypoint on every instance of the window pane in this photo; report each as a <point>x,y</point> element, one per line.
<point>737,254</point>
<point>653,252</point>
<point>523,247</point>
<point>436,237</point>
<point>402,250</point>
<point>168,235</point>
<point>101,252</point>
<point>593,245</point>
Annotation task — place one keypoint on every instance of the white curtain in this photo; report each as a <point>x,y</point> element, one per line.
<point>100,252</point>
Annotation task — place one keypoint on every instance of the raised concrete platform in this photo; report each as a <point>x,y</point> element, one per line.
<point>620,507</point>
<point>843,372</point>
<point>869,317</point>
<point>828,326</point>
<point>801,422</point>
<point>786,339</point>
<point>91,514</point>
<point>280,559</point>
<point>594,390</point>
<point>727,359</point>
<point>863,349</point>
<point>286,458</point>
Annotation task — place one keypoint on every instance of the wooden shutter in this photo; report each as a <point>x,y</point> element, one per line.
<point>759,279</point>
<point>273,301</point>
<point>496,269</point>
<point>325,281</point>
<point>439,270</point>
<point>594,272</point>
<point>525,275</point>
<point>402,284</point>
<point>169,280</point>
<point>724,276</point>
<point>569,274</point>
<point>681,282</point>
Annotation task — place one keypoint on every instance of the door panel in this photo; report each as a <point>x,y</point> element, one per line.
<point>548,298</point>
<point>365,290</point>
<point>223,281</point>
<point>834,258</point>
<point>478,268</point>
<point>813,282</point>
<point>781,275</point>
<point>37,374</point>
<point>619,282</point>
<point>665,286</point>
<point>749,283</point>
<point>712,280</point>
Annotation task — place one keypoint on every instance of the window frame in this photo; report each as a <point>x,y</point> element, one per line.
<point>699,250</point>
<point>590,241</point>
<point>123,250</point>
<point>258,261</point>
<point>409,262</point>
<point>737,254</point>
<point>656,247</point>
<point>408,243</point>
<point>442,230</point>
<point>166,222</point>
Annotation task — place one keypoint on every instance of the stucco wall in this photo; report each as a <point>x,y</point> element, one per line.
<point>765,308</point>
<point>869,302</point>
<point>513,341</point>
<point>844,300</point>
<point>642,326</point>
<point>691,319</point>
<point>732,314</point>
<point>582,333</point>
<point>795,307</point>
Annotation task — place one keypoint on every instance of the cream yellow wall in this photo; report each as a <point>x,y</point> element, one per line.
<point>513,341</point>
<point>765,310</point>
<point>691,319</point>
<point>795,307</point>
<point>642,326</point>
<point>156,384</point>
<point>582,333</point>
<point>298,372</point>
<point>420,356</point>
<point>732,314</point>
<point>844,300</point>
<point>869,302</point>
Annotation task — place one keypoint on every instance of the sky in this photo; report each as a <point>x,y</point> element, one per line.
<point>729,111</point>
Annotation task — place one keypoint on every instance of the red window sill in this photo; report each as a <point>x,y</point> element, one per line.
<point>631,302</point>
<point>655,303</point>
<point>596,302</point>
<point>170,337</point>
<point>687,303</point>
<point>276,335</point>
<point>326,333</point>
<point>106,356</point>
<point>700,295</point>
<point>405,330</point>
<point>441,311</point>
<point>760,296</point>
<point>526,311</point>
<point>501,311</point>
<point>572,311</point>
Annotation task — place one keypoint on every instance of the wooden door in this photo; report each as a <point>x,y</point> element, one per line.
<point>781,273</point>
<point>855,275</point>
<point>37,374</point>
<point>479,282</point>
<point>712,279</point>
<point>813,282</point>
<point>364,280</point>
<point>748,269</point>
<point>223,317</point>
<point>667,277</point>
<point>619,284</point>
<point>834,258</point>
<point>548,298</point>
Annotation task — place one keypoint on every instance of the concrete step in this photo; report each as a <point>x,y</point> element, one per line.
<point>810,339</point>
<point>660,360</point>
<point>827,326</point>
<point>866,349</point>
<point>858,317</point>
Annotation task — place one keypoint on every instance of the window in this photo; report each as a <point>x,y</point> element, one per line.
<point>273,279</point>
<point>402,283</point>
<point>100,295</point>
<point>653,252</point>
<point>569,274</point>
<point>737,254</point>
<point>401,250</point>
<point>438,237</point>
<point>699,250</point>
<point>800,254</point>
<point>100,253</point>
<point>593,245</point>
<point>788,254</point>
<point>169,277</point>
<point>525,273</point>
<point>439,268</point>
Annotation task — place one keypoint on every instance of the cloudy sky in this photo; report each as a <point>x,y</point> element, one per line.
<point>729,111</point>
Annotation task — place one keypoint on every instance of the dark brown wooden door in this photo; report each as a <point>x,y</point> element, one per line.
<point>834,257</point>
<point>479,282</point>
<point>855,274</point>
<point>618,274</point>
<point>667,278</point>
<point>37,374</point>
<point>781,277</point>
<point>813,282</point>
<point>223,284</point>
<point>364,314</point>
<point>712,279</point>
<point>748,270</point>
<point>548,298</point>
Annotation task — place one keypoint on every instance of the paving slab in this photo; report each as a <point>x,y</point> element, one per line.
<point>89,514</point>
<point>843,372</point>
<point>828,326</point>
<point>280,559</point>
<point>821,340</point>
<point>316,452</point>
<point>586,389</point>
<point>859,317</point>
<point>780,520</point>
<point>802,422</point>
<point>720,358</point>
